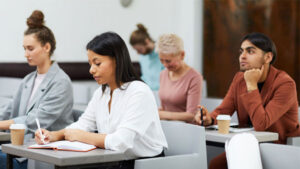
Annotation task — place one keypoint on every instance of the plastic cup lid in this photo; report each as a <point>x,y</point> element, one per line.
<point>223,117</point>
<point>17,126</point>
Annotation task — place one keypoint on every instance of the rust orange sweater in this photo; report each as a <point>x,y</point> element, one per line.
<point>273,109</point>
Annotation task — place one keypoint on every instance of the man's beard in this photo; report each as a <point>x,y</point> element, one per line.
<point>262,63</point>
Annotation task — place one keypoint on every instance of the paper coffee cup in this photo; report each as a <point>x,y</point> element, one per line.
<point>17,132</point>
<point>223,123</point>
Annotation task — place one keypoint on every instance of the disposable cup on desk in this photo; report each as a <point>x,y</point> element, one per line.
<point>17,132</point>
<point>223,124</point>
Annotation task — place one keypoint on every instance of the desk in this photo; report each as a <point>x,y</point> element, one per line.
<point>64,159</point>
<point>4,137</point>
<point>262,136</point>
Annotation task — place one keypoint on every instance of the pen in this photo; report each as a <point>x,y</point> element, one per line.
<point>201,116</point>
<point>39,128</point>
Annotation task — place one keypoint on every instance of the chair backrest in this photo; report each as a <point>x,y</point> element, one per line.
<point>211,103</point>
<point>184,138</point>
<point>80,93</point>
<point>293,141</point>
<point>186,148</point>
<point>278,156</point>
<point>93,86</point>
<point>4,103</point>
<point>204,89</point>
<point>242,151</point>
<point>157,99</point>
<point>9,86</point>
<point>77,114</point>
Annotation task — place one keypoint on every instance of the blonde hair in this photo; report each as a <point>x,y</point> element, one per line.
<point>169,43</point>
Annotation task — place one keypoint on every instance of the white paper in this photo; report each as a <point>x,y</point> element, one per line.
<point>66,145</point>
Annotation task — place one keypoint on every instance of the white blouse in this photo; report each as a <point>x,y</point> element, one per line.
<point>133,123</point>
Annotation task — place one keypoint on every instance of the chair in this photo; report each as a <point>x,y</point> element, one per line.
<point>278,156</point>
<point>242,151</point>
<point>157,99</point>
<point>80,93</point>
<point>294,141</point>
<point>204,89</point>
<point>4,102</point>
<point>211,103</point>
<point>186,148</point>
<point>76,114</point>
<point>9,86</point>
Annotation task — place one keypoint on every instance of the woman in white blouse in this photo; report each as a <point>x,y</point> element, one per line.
<point>123,110</point>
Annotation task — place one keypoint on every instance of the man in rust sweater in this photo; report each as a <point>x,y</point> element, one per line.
<point>263,96</point>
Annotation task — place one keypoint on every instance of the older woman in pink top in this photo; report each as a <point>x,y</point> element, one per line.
<point>180,85</point>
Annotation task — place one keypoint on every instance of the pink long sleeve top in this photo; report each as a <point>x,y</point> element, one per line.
<point>182,95</point>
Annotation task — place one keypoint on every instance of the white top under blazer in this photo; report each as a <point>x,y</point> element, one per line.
<point>133,123</point>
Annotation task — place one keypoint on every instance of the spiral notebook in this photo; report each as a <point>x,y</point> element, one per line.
<point>65,146</point>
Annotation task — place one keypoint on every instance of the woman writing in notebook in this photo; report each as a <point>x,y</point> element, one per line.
<point>46,93</point>
<point>122,110</point>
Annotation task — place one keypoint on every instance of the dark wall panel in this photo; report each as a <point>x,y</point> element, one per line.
<point>76,70</point>
<point>227,21</point>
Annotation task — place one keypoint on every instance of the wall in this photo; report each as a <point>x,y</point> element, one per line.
<point>75,22</point>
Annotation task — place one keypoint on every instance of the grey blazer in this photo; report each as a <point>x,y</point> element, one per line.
<point>52,102</point>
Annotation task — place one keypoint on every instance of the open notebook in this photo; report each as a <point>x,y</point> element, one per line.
<point>66,146</point>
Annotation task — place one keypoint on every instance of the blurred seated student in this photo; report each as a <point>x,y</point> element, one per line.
<point>123,109</point>
<point>180,85</point>
<point>263,96</point>
<point>149,60</point>
<point>46,93</point>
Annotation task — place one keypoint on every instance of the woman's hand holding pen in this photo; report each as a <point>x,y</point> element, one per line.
<point>38,137</point>
<point>202,117</point>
